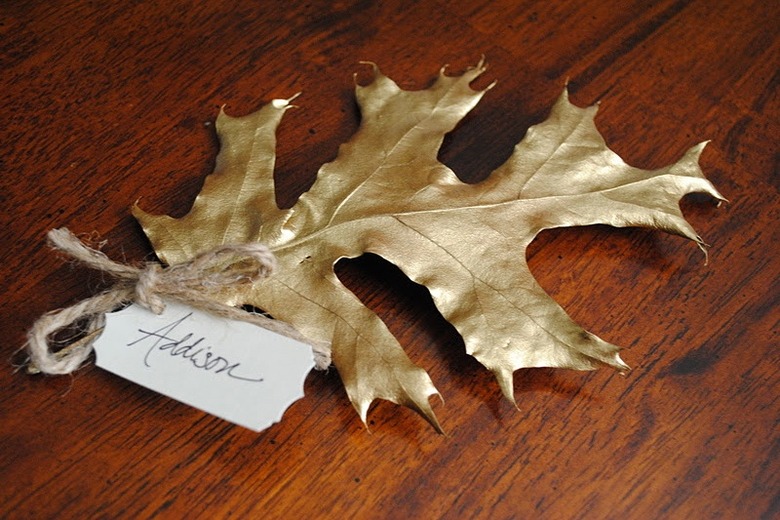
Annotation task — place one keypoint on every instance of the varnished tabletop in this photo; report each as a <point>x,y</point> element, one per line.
<point>106,103</point>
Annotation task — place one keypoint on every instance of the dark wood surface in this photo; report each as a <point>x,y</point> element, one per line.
<point>108,102</point>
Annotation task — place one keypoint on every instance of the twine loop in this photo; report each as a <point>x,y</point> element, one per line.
<point>196,283</point>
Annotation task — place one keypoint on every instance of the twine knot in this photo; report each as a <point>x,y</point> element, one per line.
<point>144,289</point>
<point>196,283</point>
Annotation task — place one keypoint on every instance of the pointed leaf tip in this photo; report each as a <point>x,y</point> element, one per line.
<point>285,103</point>
<point>505,379</point>
<point>426,411</point>
<point>422,408</point>
<point>621,366</point>
<point>476,71</point>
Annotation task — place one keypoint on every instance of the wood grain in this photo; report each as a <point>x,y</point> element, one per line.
<point>106,103</point>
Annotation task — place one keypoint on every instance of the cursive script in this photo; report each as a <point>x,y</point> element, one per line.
<point>189,349</point>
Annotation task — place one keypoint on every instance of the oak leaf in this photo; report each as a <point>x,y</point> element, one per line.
<point>386,193</point>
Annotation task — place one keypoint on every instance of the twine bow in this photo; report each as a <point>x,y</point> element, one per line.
<point>194,283</point>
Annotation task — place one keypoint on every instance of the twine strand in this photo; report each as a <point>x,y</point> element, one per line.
<point>195,283</point>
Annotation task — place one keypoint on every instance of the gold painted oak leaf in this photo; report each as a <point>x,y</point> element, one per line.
<point>386,193</point>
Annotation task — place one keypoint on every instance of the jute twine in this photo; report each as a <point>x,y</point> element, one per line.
<point>195,283</point>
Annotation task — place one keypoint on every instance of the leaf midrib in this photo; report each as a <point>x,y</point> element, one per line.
<point>439,211</point>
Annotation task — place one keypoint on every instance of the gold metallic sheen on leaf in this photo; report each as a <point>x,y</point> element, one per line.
<point>386,193</point>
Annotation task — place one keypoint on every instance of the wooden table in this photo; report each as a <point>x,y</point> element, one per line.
<point>106,103</point>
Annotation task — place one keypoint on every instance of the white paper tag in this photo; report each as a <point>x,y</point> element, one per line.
<point>232,369</point>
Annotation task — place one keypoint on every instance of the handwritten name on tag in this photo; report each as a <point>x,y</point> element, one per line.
<point>234,370</point>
